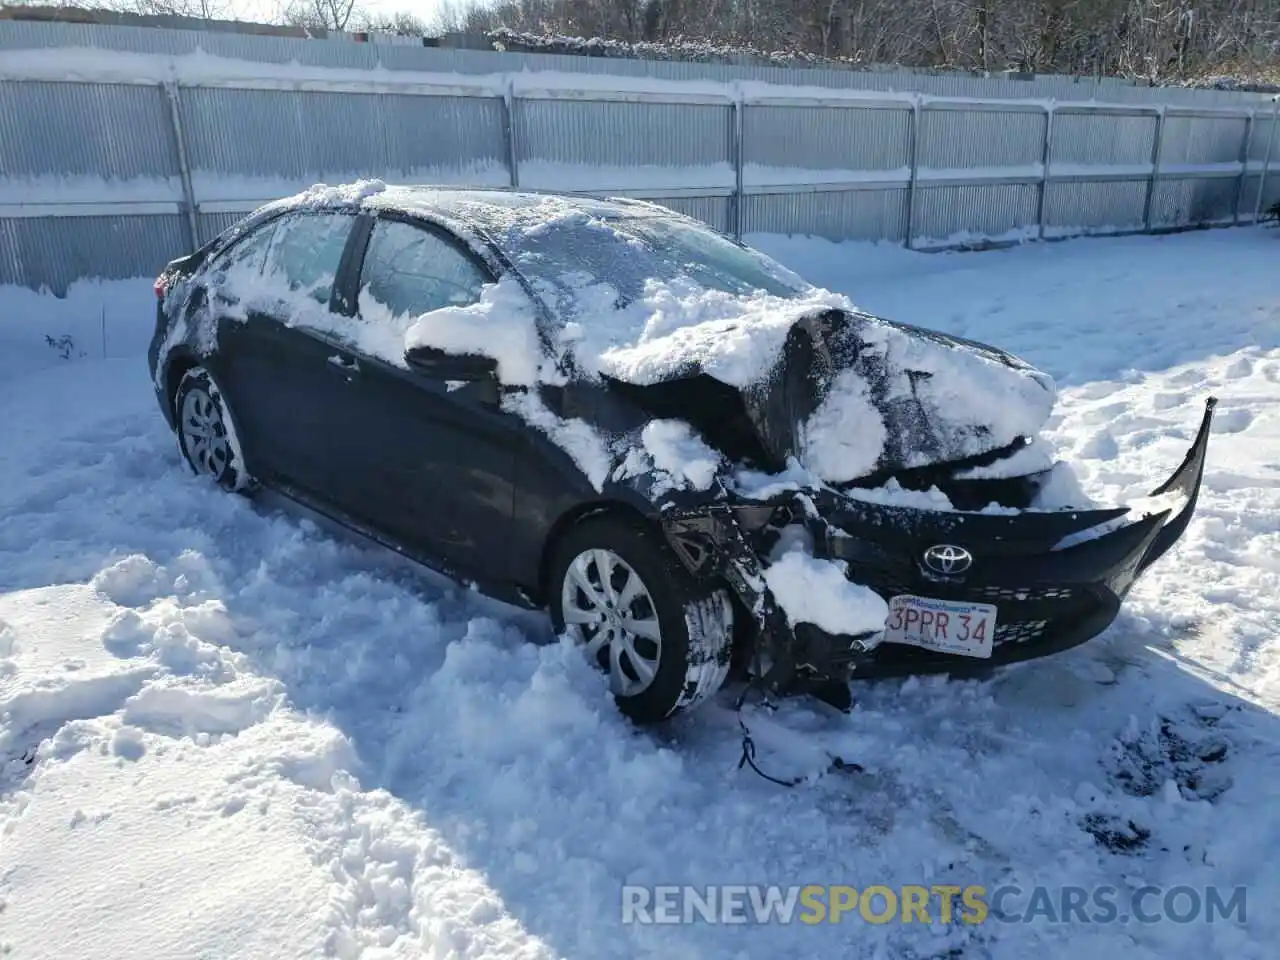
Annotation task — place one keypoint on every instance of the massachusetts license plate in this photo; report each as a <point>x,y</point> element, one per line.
<point>948,626</point>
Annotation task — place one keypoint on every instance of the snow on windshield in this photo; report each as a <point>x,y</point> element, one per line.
<point>631,253</point>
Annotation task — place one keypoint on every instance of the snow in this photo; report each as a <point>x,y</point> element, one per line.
<point>501,325</point>
<point>678,451</point>
<point>536,174</point>
<point>84,188</point>
<point>250,737</point>
<point>1137,171</point>
<point>216,186</point>
<point>816,591</point>
<point>579,439</point>
<point>1026,171</point>
<point>763,175</point>
<point>95,319</point>
<point>681,325</point>
<point>845,437</point>
<point>200,68</point>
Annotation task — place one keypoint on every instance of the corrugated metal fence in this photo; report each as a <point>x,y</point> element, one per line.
<point>122,153</point>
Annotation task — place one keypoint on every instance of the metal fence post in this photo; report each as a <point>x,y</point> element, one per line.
<point>916,107</point>
<point>1157,148</point>
<point>739,197</point>
<point>1266,160</point>
<point>509,133</point>
<point>184,168</point>
<point>1246,144</point>
<point>1044,171</point>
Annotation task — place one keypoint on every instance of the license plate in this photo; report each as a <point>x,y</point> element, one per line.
<point>948,626</point>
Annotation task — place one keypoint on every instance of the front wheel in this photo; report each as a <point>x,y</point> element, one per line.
<point>663,637</point>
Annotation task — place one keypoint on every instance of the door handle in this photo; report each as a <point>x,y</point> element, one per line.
<point>346,365</point>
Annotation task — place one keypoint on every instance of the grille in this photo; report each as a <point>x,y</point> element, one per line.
<point>1009,594</point>
<point>1020,631</point>
<point>892,586</point>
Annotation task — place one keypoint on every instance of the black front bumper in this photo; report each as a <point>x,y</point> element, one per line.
<point>1049,596</point>
<point>1056,578</point>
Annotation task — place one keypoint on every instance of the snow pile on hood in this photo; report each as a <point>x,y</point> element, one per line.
<point>810,590</point>
<point>681,328</point>
<point>845,437</point>
<point>905,397</point>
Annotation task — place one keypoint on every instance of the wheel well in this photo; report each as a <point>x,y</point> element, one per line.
<point>567,521</point>
<point>178,365</point>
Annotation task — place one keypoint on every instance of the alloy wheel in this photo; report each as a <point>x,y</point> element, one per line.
<point>204,435</point>
<point>610,611</point>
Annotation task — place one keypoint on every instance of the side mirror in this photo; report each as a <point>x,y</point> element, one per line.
<point>435,363</point>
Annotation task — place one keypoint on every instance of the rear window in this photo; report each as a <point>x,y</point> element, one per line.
<point>249,251</point>
<point>306,250</point>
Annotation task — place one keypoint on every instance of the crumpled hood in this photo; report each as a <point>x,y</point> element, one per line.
<point>852,394</point>
<point>847,393</point>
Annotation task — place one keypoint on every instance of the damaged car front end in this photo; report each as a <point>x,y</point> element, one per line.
<point>965,590</point>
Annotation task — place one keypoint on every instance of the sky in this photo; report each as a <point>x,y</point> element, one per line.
<point>425,10</point>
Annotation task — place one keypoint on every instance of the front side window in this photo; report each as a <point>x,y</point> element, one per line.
<point>410,270</point>
<point>306,250</point>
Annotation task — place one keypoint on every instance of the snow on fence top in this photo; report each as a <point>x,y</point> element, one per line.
<point>404,58</point>
<point>94,65</point>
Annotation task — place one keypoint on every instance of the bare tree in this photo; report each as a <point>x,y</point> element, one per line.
<point>1164,40</point>
<point>197,9</point>
<point>318,14</point>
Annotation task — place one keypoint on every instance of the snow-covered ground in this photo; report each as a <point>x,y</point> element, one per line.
<point>228,732</point>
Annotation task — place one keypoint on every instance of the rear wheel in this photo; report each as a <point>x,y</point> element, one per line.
<point>663,637</point>
<point>205,436</point>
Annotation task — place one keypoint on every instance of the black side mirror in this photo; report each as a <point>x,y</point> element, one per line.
<point>435,363</point>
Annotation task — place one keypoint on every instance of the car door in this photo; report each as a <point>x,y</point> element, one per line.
<point>428,460</point>
<point>276,335</point>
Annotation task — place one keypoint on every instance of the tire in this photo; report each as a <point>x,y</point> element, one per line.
<point>206,436</point>
<point>689,660</point>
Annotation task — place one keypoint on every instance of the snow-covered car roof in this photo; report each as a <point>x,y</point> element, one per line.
<point>568,247</point>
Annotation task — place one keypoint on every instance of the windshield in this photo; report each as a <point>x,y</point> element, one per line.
<point>568,258</point>
<point>713,260</point>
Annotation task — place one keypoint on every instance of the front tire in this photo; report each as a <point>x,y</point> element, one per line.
<point>663,637</point>
<point>205,434</point>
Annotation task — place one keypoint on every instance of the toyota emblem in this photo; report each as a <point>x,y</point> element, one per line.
<point>947,559</point>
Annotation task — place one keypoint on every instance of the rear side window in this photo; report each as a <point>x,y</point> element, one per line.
<point>411,270</point>
<point>306,250</point>
<point>248,252</point>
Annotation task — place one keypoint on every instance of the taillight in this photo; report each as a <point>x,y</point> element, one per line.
<point>159,287</point>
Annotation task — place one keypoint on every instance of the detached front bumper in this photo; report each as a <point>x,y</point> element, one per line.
<point>1055,578</point>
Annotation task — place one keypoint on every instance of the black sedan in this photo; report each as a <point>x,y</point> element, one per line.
<point>609,410</point>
